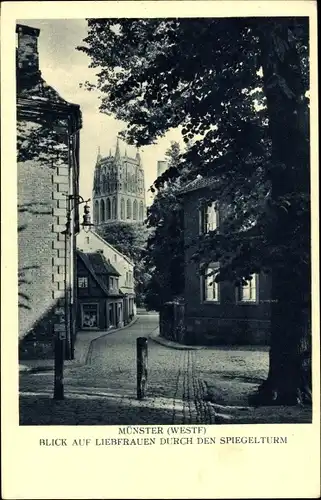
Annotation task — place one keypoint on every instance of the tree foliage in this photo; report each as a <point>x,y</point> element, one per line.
<point>237,88</point>
<point>164,256</point>
<point>130,240</point>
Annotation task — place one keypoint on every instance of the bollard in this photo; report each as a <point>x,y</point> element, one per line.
<point>141,352</point>
<point>59,368</point>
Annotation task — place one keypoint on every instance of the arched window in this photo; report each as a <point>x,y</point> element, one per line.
<point>135,210</point>
<point>122,209</point>
<point>129,209</point>
<point>102,211</point>
<point>108,209</point>
<point>141,211</point>
<point>96,212</point>
<point>114,207</point>
<point>104,183</point>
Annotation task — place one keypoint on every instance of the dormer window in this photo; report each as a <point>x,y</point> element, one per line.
<point>209,218</point>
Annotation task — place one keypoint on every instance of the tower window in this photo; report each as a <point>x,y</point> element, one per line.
<point>108,209</point>
<point>122,209</point>
<point>141,211</point>
<point>135,210</point>
<point>129,209</point>
<point>102,211</point>
<point>114,207</point>
<point>96,212</point>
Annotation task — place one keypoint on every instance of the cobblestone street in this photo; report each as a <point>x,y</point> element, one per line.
<point>103,391</point>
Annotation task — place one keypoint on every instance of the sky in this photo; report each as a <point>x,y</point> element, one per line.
<point>63,67</point>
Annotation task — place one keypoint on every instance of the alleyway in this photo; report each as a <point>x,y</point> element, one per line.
<point>103,391</point>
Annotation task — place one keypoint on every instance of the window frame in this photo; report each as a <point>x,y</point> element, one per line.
<point>255,300</point>
<point>204,278</point>
<point>203,217</point>
<point>83,278</point>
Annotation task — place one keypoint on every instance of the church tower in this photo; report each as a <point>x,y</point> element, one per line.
<point>119,189</point>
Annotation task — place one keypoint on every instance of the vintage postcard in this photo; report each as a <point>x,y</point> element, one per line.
<point>160,276</point>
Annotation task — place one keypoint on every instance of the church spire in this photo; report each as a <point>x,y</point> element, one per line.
<point>138,158</point>
<point>98,155</point>
<point>117,152</point>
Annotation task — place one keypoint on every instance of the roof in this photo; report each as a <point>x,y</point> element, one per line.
<point>101,265</point>
<point>99,268</point>
<point>198,183</point>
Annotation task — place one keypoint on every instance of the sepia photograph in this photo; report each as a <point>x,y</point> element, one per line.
<point>164,221</point>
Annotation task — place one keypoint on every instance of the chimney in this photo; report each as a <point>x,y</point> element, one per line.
<point>27,50</point>
<point>162,166</point>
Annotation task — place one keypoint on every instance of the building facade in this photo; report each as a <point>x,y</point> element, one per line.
<point>100,301</point>
<point>119,189</point>
<point>92,242</point>
<point>48,179</point>
<point>219,313</point>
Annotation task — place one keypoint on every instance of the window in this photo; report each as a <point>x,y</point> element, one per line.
<point>104,183</point>
<point>114,208</point>
<point>210,287</point>
<point>209,218</point>
<point>122,209</point>
<point>83,282</point>
<point>135,210</point>
<point>129,209</point>
<point>111,282</point>
<point>108,209</point>
<point>102,211</point>
<point>96,212</point>
<point>141,211</point>
<point>248,292</point>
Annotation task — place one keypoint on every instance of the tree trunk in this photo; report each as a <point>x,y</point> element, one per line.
<point>289,378</point>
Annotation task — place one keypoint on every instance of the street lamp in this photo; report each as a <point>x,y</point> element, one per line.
<point>78,200</point>
<point>65,339</point>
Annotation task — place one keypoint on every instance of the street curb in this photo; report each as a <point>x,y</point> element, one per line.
<point>172,345</point>
<point>90,346</point>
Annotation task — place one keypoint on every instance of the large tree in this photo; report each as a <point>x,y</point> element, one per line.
<point>237,88</point>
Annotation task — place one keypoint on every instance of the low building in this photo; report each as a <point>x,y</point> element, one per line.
<point>92,242</point>
<point>218,313</point>
<point>48,180</point>
<point>100,302</point>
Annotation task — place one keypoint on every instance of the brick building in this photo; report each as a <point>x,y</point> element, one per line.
<point>92,242</point>
<point>48,185</point>
<point>218,313</point>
